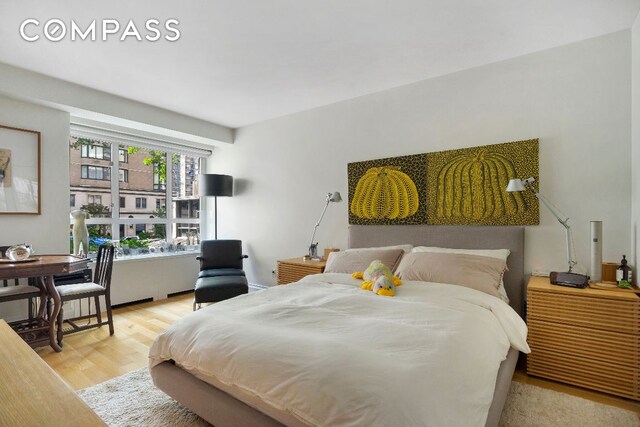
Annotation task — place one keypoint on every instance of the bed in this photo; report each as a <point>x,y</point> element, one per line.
<point>181,364</point>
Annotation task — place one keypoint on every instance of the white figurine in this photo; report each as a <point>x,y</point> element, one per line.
<point>80,232</point>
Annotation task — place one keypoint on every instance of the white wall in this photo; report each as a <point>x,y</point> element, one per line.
<point>574,98</point>
<point>135,280</point>
<point>49,232</point>
<point>635,144</point>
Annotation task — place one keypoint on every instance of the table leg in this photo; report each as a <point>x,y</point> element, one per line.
<point>43,300</point>
<point>53,318</point>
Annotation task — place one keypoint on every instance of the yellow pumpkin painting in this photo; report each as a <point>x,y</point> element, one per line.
<point>385,192</point>
<point>388,191</point>
<point>463,186</point>
<point>473,186</point>
<point>468,186</point>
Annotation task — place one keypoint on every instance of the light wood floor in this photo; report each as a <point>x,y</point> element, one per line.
<point>92,356</point>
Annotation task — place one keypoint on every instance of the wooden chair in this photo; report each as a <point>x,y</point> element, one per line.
<point>16,291</point>
<point>100,286</point>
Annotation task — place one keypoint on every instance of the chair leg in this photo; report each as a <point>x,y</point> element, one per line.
<point>107,299</point>
<point>60,321</point>
<point>98,311</point>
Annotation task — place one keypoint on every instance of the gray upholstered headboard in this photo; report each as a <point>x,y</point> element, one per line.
<point>453,236</point>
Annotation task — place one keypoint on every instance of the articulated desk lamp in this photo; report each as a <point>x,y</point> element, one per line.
<point>569,278</point>
<point>313,247</point>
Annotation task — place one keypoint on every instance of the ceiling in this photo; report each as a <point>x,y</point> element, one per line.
<point>243,61</point>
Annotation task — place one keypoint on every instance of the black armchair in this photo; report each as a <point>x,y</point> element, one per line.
<point>221,275</point>
<point>221,258</point>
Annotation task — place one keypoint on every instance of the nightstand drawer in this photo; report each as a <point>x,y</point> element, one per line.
<point>594,374</point>
<point>612,348</point>
<point>588,311</point>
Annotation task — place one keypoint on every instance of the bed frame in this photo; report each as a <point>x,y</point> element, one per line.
<point>218,405</point>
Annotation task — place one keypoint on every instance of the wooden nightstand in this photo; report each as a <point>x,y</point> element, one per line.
<point>585,337</point>
<point>294,269</point>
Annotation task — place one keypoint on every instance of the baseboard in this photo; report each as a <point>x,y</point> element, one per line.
<point>125,304</point>
<point>174,294</point>
<point>257,286</point>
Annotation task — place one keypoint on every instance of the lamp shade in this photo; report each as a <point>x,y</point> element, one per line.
<point>515,185</point>
<point>335,197</point>
<point>216,185</point>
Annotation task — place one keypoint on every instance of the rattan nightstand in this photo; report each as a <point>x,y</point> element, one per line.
<point>585,337</point>
<point>293,269</point>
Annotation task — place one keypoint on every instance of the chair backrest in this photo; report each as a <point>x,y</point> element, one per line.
<point>220,254</point>
<point>104,265</point>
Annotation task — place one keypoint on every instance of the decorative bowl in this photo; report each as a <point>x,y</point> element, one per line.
<point>18,252</point>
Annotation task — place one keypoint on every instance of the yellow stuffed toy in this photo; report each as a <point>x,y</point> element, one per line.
<point>379,279</point>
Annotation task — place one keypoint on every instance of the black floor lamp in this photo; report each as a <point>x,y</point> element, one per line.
<point>216,186</point>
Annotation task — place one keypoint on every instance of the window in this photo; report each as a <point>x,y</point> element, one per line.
<point>96,172</point>
<point>93,199</point>
<point>185,193</point>
<point>72,200</point>
<point>162,213</point>
<point>100,152</point>
<point>159,183</point>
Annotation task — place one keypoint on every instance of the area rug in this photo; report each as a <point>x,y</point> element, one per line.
<point>133,400</point>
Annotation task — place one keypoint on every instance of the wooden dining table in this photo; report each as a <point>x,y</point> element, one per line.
<point>42,329</point>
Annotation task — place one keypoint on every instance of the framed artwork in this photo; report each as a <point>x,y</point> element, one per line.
<point>454,187</point>
<point>19,171</point>
<point>388,191</point>
<point>468,185</point>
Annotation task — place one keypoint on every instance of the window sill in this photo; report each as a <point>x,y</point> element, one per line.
<point>154,256</point>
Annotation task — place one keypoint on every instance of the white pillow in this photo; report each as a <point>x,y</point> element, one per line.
<point>502,254</point>
<point>405,248</point>
<point>354,260</point>
<point>482,273</point>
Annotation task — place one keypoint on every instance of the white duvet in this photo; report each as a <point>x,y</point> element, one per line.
<point>332,354</point>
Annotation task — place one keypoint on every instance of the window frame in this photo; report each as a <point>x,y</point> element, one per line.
<point>91,199</point>
<point>91,152</point>
<point>157,185</point>
<point>115,221</point>
<point>125,155</point>
<point>106,172</point>
<point>141,203</point>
